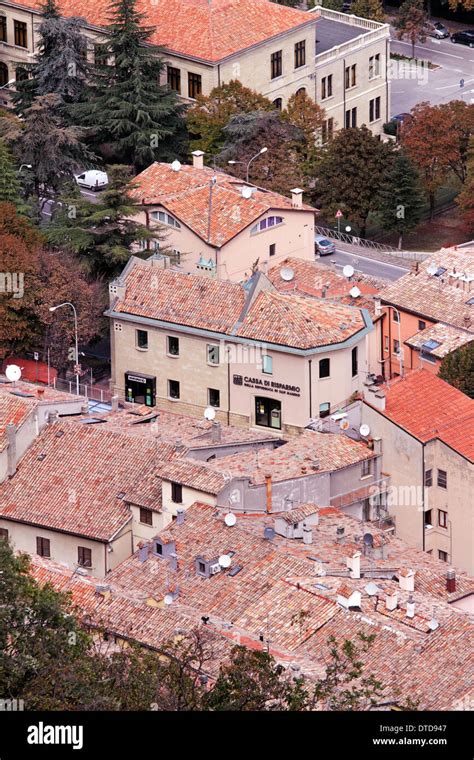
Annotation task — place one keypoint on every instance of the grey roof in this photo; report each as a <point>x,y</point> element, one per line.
<point>330,33</point>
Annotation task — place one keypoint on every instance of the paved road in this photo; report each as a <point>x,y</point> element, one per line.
<point>436,86</point>
<point>371,266</point>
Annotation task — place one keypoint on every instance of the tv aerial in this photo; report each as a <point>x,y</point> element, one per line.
<point>364,430</point>
<point>348,271</point>
<point>13,373</point>
<point>209,413</point>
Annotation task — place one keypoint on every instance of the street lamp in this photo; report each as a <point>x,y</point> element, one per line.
<point>27,166</point>
<point>76,368</point>
<point>263,150</point>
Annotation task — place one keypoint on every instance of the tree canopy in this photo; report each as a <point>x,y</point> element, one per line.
<point>457,369</point>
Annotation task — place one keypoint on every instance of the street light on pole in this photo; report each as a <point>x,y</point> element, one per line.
<point>247,164</point>
<point>76,368</point>
<point>27,166</point>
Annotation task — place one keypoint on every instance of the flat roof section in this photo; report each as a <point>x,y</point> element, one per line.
<point>331,33</point>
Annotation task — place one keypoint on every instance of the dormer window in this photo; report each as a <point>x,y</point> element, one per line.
<point>265,224</point>
<point>164,218</point>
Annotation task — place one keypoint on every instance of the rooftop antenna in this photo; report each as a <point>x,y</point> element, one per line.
<point>224,561</point>
<point>355,292</point>
<point>230,519</point>
<point>348,271</point>
<point>364,430</point>
<point>287,274</point>
<point>13,373</point>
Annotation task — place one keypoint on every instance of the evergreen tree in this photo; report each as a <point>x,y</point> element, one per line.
<point>128,109</point>
<point>400,199</point>
<point>9,182</point>
<point>371,9</point>
<point>457,369</point>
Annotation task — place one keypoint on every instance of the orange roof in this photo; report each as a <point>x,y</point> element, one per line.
<point>13,410</point>
<point>429,408</point>
<point>209,30</point>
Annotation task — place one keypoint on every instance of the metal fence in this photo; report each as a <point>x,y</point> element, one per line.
<point>90,392</point>
<point>354,240</point>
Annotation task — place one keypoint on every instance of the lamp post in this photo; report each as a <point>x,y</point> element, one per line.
<point>247,164</point>
<point>76,368</point>
<point>26,166</point>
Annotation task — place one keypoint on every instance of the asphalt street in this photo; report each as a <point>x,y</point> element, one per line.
<point>371,266</point>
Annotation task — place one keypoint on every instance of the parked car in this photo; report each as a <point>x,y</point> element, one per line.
<point>464,38</point>
<point>323,246</point>
<point>92,180</point>
<point>437,30</point>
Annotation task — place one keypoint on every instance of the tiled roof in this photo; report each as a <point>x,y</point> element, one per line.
<point>298,514</point>
<point>204,29</point>
<point>449,339</point>
<point>146,491</point>
<point>207,201</point>
<point>429,408</point>
<point>12,410</point>
<point>442,298</point>
<point>71,477</point>
<point>192,474</point>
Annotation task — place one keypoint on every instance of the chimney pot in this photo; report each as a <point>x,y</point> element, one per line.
<point>451,580</point>
<point>180,515</point>
<point>410,607</point>
<point>115,403</point>
<point>198,159</point>
<point>297,197</point>
<point>391,601</point>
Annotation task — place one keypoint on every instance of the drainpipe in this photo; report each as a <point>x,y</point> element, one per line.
<point>423,493</point>
<point>344,90</point>
<point>268,488</point>
<point>228,384</point>
<point>387,58</point>
<point>310,391</point>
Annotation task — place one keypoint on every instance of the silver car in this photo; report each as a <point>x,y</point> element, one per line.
<point>323,246</point>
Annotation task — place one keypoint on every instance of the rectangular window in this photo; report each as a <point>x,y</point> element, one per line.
<point>374,109</point>
<point>84,556</point>
<point>353,75</point>
<point>350,79</point>
<point>172,345</point>
<point>443,556</point>
<point>429,517</point>
<point>194,85</point>
<point>386,343</point>
<point>173,388</point>
<point>300,54</point>
<point>355,361</point>
<point>267,364</point>
<point>268,412</point>
<point>142,339</point>
<point>4,534</point>
<point>324,367</point>
<point>327,130</point>
<point>442,518</point>
<point>212,353</point>
<point>214,397</point>
<point>396,346</point>
<point>421,325</point>
<point>366,467</point>
<point>325,409</point>
<point>272,249</point>
<point>374,66</point>
<point>442,479</point>
<point>276,64</point>
<point>177,493</point>
<point>347,77</point>
<point>396,316</point>
<point>43,546</point>
<point>351,118</point>
<point>429,478</point>
<point>326,87</point>
<point>146,516</point>
<point>174,79</point>
<point>21,37</point>
<point>3,29</point>
<point>100,54</point>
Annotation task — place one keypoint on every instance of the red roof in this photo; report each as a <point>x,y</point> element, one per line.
<point>205,29</point>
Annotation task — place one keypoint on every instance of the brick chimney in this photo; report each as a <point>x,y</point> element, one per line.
<point>391,600</point>
<point>216,432</point>
<point>451,580</point>
<point>11,451</point>
<point>198,159</point>
<point>297,198</point>
<point>353,563</point>
<point>406,580</point>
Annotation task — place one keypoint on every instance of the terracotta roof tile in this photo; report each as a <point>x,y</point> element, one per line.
<point>192,474</point>
<point>448,338</point>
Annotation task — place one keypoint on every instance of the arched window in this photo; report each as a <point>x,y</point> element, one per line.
<point>3,74</point>
<point>278,103</point>
<point>265,224</point>
<point>301,92</point>
<point>165,218</point>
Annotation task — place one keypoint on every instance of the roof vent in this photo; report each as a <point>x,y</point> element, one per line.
<point>268,534</point>
<point>340,534</point>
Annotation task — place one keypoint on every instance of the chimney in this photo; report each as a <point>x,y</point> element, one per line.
<point>173,561</point>
<point>216,432</point>
<point>406,580</point>
<point>198,159</point>
<point>378,306</point>
<point>375,397</point>
<point>143,552</point>
<point>410,607</point>
<point>451,580</point>
<point>377,449</point>
<point>307,534</point>
<point>179,445</point>
<point>297,198</point>
<point>353,563</point>
<point>115,403</point>
<point>340,535</point>
<point>415,267</point>
<point>180,515</point>
<point>11,451</point>
<point>268,488</point>
<point>467,321</point>
<point>391,600</point>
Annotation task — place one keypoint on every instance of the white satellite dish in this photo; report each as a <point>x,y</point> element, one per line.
<point>209,413</point>
<point>287,274</point>
<point>355,292</point>
<point>230,519</point>
<point>13,372</point>
<point>168,599</point>
<point>348,271</point>
<point>344,424</point>
<point>176,166</point>
<point>432,269</point>
<point>246,192</point>
<point>364,430</point>
<point>224,560</point>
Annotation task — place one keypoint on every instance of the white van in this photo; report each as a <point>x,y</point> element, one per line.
<point>92,179</point>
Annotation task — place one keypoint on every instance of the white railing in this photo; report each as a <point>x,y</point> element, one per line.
<point>361,41</point>
<point>347,18</point>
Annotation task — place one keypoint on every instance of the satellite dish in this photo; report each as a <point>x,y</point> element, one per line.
<point>13,372</point>
<point>246,192</point>
<point>433,624</point>
<point>224,560</point>
<point>348,271</point>
<point>168,599</point>
<point>368,539</point>
<point>344,424</point>
<point>176,166</point>
<point>355,292</point>
<point>287,274</point>
<point>432,269</point>
<point>230,519</point>
<point>209,413</point>
<point>364,430</point>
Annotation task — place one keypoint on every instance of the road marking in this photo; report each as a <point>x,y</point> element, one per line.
<point>430,50</point>
<point>377,261</point>
<point>445,87</point>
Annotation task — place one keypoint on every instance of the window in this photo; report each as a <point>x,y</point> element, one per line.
<point>177,493</point>
<point>355,361</point>
<point>3,29</point>
<point>141,339</point>
<point>442,479</point>
<point>3,74</point>
<point>374,109</point>
<point>213,354</point>
<point>43,546</point>
<point>276,64</point>
<point>428,478</point>
<point>265,224</point>
<point>374,66</point>
<point>268,412</point>
<point>351,118</point>
<point>214,397</point>
<point>100,55</point>
<point>429,517</point>
<point>194,84</point>
<point>366,467</point>
<point>173,388</point>
<point>442,518</point>
<point>4,534</point>
<point>324,409</point>
<point>84,556</point>
<point>172,345</point>
<point>278,103</point>
<point>324,367</point>
<point>443,556</point>
<point>174,79</point>
<point>396,316</point>
<point>267,364</point>
<point>300,54</point>
<point>327,130</point>
<point>21,37</point>
<point>146,516</point>
<point>301,92</point>
<point>164,218</point>
<point>396,346</point>
<point>271,249</point>
<point>158,544</point>
<point>350,76</point>
<point>421,325</point>
<point>326,87</point>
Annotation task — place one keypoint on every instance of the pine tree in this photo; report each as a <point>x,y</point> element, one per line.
<point>9,182</point>
<point>128,109</point>
<point>401,199</point>
<point>371,9</point>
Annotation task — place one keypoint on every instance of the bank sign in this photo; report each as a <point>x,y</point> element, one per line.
<point>267,385</point>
